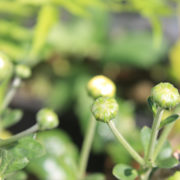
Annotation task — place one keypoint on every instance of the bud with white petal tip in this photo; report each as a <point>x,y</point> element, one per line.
<point>47,119</point>
<point>100,86</point>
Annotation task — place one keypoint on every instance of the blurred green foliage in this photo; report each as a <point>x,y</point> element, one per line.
<point>76,39</point>
<point>60,160</point>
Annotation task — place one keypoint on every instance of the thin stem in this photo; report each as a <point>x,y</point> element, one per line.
<point>15,84</point>
<point>86,147</point>
<point>154,134</point>
<point>145,176</point>
<point>128,147</point>
<point>16,137</point>
<point>162,139</point>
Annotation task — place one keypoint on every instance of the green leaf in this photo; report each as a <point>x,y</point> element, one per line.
<point>11,117</point>
<point>124,172</point>
<point>19,175</point>
<point>46,18</point>
<point>152,105</point>
<point>16,156</point>
<point>3,161</point>
<point>176,176</point>
<point>95,176</point>
<point>167,163</point>
<point>165,152</point>
<point>145,138</point>
<point>165,158</point>
<point>16,163</point>
<point>60,160</point>
<point>30,148</point>
<point>122,51</point>
<point>11,162</point>
<point>169,120</point>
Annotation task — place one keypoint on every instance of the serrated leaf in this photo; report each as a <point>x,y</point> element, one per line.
<point>11,162</point>
<point>3,161</point>
<point>16,163</point>
<point>11,117</point>
<point>124,172</point>
<point>167,163</point>
<point>29,147</point>
<point>169,120</point>
<point>16,156</point>
<point>95,176</point>
<point>152,105</point>
<point>145,138</point>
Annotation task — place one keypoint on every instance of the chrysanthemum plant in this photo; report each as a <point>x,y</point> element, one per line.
<point>157,151</point>
<point>17,150</point>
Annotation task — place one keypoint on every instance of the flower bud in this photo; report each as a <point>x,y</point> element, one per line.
<point>47,119</point>
<point>105,109</point>
<point>165,95</point>
<point>101,86</point>
<point>23,71</point>
<point>6,67</point>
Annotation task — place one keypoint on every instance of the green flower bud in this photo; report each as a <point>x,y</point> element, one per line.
<point>23,71</point>
<point>105,109</point>
<point>47,119</point>
<point>6,67</point>
<point>101,86</point>
<point>165,95</point>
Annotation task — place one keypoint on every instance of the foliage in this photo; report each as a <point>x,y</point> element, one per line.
<point>77,41</point>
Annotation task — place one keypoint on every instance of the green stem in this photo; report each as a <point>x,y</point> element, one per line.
<point>128,147</point>
<point>16,137</point>
<point>145,176</point>
<point>86,147</point>
<point>162,139</point>
<point>154,134</point>
<point>15,84</point>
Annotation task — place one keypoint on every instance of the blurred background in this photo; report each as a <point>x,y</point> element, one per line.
<point>66,42</point>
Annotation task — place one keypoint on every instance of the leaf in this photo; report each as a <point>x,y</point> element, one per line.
<point>124,172</point>
<point>16,156</point>
<point>167,163</point>
<point>165,158</point>
<point>176,176</point>
<point>145,138</point>
<point>152,105</point>
<point>30,148</point>
<point>74,8</point>
<point>169,120</point>
<point>11,162</point>
<point>174,56</point>
<point>60,160</point>
<point>3,161</point>
<point>46,18</point>
<point>16,163</point>
<point>95,176</point>
<point>122,51</point>
<point>165,152</point>
<point>19,175</point>
<point>11,117</point>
